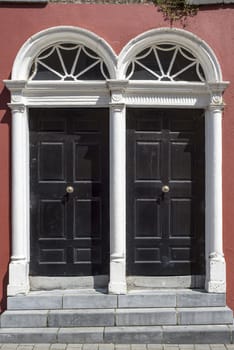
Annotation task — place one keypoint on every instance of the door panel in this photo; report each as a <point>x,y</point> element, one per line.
<point>69,231</point>
<point>165,231</point>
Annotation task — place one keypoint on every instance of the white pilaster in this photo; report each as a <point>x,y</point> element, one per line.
<point>215,262</point>
<point>18,269</point>
<point>117,283</point>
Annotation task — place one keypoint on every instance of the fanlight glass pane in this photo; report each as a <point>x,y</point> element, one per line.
<point>68,61</point>
<point>165,62</point>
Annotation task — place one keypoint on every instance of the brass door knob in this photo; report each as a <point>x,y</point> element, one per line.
<point>165,189</point>
<point>70,189</point>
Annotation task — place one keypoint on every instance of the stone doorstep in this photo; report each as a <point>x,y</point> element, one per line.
<point>116,317</point>
<point>216,334</point>
<point>137,299</point>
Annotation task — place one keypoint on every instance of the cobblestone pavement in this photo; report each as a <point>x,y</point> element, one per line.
<point>116,346</point>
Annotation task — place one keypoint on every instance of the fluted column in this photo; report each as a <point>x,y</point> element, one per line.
<point>215,262</point>
<point>117,284</point>
<point>18,269</point>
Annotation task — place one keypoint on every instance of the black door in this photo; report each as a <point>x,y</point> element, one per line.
<point>69,192</point>
<point>165,225</point>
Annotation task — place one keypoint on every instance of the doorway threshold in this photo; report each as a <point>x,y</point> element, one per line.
<point>165,282</point>
<point>40,283</point>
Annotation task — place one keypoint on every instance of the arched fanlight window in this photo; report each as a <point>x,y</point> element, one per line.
<point>68,62</point>
<point>165,62</point>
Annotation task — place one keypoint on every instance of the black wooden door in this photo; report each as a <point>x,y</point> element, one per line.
<point>165,230</point>
<point>69,192</point>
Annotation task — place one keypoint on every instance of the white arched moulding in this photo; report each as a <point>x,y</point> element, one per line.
<point>117,93</point>
<point>42,40</point>
<point>197,47</point>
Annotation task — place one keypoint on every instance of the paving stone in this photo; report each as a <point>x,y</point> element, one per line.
<point>199,299</point>
<point>37,302</point>
<point>81,335</point>
<point>145,317</point>
<point>25,347</point>
<point>106,346</point>
<point>122,347</point>
<point>77,318</point>
<point>89,301</point>
<point>229,346</point>
<point>41,347</point>
<point>197,334</point>
<point>147,300</point>
<point>90,347</point>
<point>18,318</point>
<point>186,347</point>
<point>133,335</point>
<point>28,335</point>
<point>74,347</point>
<point>217,347</point>
<point>154,347</point>
<point>201,347</point>
<point>138,347</point>
<point>205,315</point>
<point>28,344</point>
<point>58,347</point>
<point>171,347</point>
<point>9,346</point>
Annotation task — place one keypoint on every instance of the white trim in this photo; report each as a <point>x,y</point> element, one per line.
<point>116,93</point>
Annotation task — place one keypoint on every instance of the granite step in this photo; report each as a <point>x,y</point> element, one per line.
<point>204,334</point>
<point>96,300</point>
<point>116,317</point>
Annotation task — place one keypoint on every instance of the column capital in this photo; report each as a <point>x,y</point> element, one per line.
<point>16,87</point>
<point>117,89</point>
<point>216,95</point>
<point>117,107</point>
<point>216,102</point>
<point>17,107</point>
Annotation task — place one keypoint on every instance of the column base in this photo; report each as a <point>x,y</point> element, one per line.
<point>117,284</point>
<point>216,276</point>
<point>18,278</point>
<point>117,288</point>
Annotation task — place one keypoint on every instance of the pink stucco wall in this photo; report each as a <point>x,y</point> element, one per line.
<point>117,24</point>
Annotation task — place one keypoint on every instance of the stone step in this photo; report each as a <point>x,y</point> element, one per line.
<point>170,316</point>
<point>219,334</point>
<point>94,300</point>
<point>204,315</point>
<point>116,317</point>
<point>58,318</point>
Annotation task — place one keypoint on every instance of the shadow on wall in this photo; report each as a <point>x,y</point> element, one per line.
<point>5,194</point>
<point>3,300</point>
<point>5,98</point>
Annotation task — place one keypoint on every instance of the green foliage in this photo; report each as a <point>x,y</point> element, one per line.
<point>174,10</point>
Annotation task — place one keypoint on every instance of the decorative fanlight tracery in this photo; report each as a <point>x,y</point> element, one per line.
<point>74,62</point>
<point>165,62</point>
<point>68,62</point>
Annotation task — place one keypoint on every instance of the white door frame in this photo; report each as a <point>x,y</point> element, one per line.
<point>117,93</point>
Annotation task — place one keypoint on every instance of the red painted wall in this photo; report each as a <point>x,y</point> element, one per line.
<point>117,24</point>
